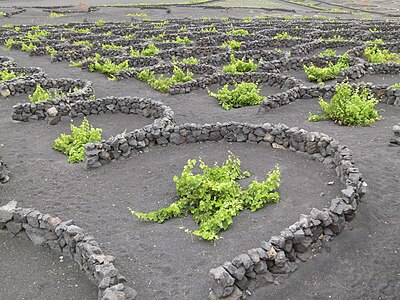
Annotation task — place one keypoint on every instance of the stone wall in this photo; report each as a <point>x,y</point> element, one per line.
<point>384,93</point>
<point>71,241</point>
<point>82,107</point>
<point>395,140</point>
<point>280,255</point>
<point>4,173</point>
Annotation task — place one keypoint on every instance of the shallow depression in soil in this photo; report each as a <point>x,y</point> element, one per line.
<point>160,260</point>
<point>35,272</point>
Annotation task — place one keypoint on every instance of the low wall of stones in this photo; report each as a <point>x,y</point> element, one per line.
<point>18,85</point>
<point>225,58</point>
<point>384,93</point>
<point>307,48</point>
<point>71,241</point>
<point>129,105</point>
<point>270,79</point>
<point>4,173</point>
<point>76,89</point>
<point>279,256</point>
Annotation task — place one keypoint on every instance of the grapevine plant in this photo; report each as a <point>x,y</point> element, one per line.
<point>106,66</point>
<point>244,94</point>
<point>73,145</point>
<point>41,95</point>
<point>6,74</point>
<point>376,55</point>
<point>240,66</point>
<point>351,106</point>
<point>214,196</point>
<point>163,84</point>
<point>330,72</point>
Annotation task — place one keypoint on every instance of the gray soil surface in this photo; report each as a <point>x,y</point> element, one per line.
<point>37,273</point>
<point>161,261</point>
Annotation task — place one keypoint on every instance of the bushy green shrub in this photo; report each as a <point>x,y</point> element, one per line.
<point>244,94</point>
<point>111,46</point>
<point>106,66</point>
<point>185,40</point>
<point>28,47</point>
<point>55,15</point>
<point>237,32</point>
<point>211,28</point>
<point>332,71</point>
<point>234,45</point>
<point>73,145</point>
<point>283,35</point>
<point>40,95</point>
<point>6,74</point>
<point>327,52</point>
<point>84,43</point>
<point>376,55</point>
<point>150,50</point>
<point>240,66</point>
<point>351,106</point>
<point>395,86</point>
<point>214,196</point>
<point>186,61</point>
<point>9,43</point>
<point>163,84</point>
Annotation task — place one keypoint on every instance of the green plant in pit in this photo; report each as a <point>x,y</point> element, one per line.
<point>51,50</point>
<point>247,20</point>
<point>100,22</point>
<point>190,61</point>
<point>376,55</point>
<point>244,94</point>
<point>373,30</point>
<point>375,42</point>
<point>351,106</point>
<point>327,52</point>
<point>336,38</point>
<point>211,28</point>
<point>322,74</point>
<point>283,35</point>
<point>161,24</point>
<point>150,50</point>
<point>73,145</point>
<point>6,74</point>
<point>41,95</point>
<point>185,40</point>
<point>55,15</point>
<point>234,45</point>
<point>129,36</point>
<point>84,43</point>
<point>183,28</point>
<point>163,84</point>
<point>9,43</point>
<point>214,196</point>
<point>28,47</point>
<point>395,86</point>
<point>111,46</point>
<point>237,32</point>
<point>75,64</point>
<point>108,33</point>
<point>159,37</point>
<point>2,14</point>
<point>80,30</point>
<point>240,66</point>
<point>106,66</point>
<point>7,26</point>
